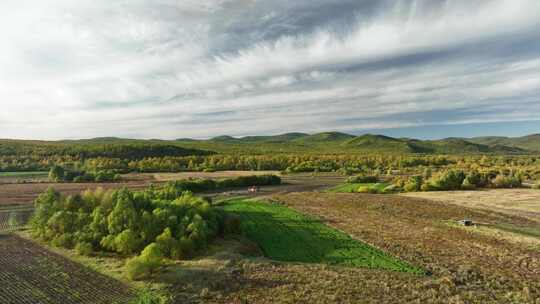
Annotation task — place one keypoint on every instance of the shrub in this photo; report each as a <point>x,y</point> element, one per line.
<point>449,180</point>
<point>413,184</point>
<point>166,242</point>
<point>536,186</point>
<point>137,269</point>
<point>428,187</point>
<point>56,174</point>
<point>146,296</point>
<point>84,248</point>
<point>362,179</point>
<point>475,180</point>
<point>368,189</point>
<point>502,181</point>
<point>146,264</point>
<point>126,242</point>
<point>392,189</point>
<point>63,240</point>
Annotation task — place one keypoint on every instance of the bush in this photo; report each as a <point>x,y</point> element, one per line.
<point>414,184</point>
<point>56,174</point>
<point>148,297</point>
<point>367,189</point>
<point>362,179</point>
<point>449,180</point>
<point>502,181</point>
<point>146,264</point>
<point>137,269</point>
<point>84,248</point>
<point>475,180</point>
<point>392,189</point>
<point>536,186</point>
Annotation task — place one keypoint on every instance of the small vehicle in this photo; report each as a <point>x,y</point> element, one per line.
<point>253,189</point>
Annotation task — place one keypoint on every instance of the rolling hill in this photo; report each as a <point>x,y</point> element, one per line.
<point>529,142</point>
<point>319,143</point>
<point>337,142</point>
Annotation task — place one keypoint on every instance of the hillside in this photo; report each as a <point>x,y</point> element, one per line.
<point>91,148</point>
<point>529,142</point>
<point>319,143</point>
<point>380,143</point>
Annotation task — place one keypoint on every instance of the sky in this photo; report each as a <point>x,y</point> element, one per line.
<point>201,68</point>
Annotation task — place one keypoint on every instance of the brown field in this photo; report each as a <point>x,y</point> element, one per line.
<point>32,274</point>
<point>21,194</point>
<point>523,202</point>
<point>495,261</point>
<point>474,267</point>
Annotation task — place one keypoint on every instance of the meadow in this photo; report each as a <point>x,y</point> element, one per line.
<point>286,235</point>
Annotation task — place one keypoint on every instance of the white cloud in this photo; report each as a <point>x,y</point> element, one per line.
<point>94,68</point>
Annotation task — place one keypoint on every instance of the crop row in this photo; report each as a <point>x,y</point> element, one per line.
<point>14,219</point>
<point>31,274</point>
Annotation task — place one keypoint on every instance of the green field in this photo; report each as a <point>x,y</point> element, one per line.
<point>353,187</point>
<point>23,174</point>
<point>286,235</point>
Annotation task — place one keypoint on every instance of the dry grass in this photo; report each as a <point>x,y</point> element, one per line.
<point>522,202</point>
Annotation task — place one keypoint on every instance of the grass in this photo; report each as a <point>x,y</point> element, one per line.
<point>287,235</point>
<point>353,187</point>
<point>526,231</point>
<point>23,174</point>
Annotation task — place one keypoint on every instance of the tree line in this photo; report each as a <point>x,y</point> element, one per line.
<point>149,225</point>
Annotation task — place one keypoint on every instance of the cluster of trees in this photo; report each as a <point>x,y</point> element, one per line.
<point>91,149</point>
<point>363,179</point>
<point>347,164</point>
<point>128,223</point>
<point>60,174</point>
<point>459,180</point>
<point>174,188</point>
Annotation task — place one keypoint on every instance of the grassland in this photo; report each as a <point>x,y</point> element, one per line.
<point>353,187</point>
<point>16,177</point>
<point>520,202</point>
<point>287,235</point>
<point>23,174</point>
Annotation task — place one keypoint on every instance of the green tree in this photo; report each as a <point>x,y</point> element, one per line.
<point>56,174</point>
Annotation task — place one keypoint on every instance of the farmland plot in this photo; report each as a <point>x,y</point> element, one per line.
<point>287,235</point>
<point>482,268</point>
<point>31,274</point>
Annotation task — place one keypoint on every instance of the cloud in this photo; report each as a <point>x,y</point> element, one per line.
<point>169,69</point>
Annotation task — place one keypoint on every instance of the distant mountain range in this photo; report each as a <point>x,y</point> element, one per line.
<point>335,142</point>
<point>326,142</point>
